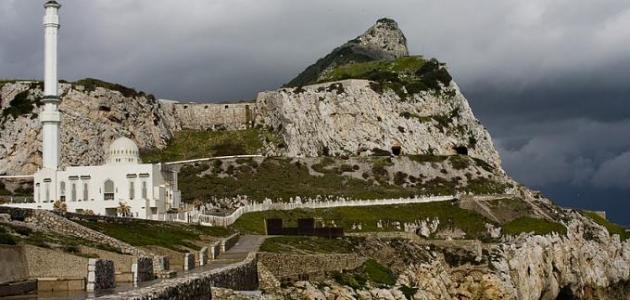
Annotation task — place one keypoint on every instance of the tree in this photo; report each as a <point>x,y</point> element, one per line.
<point>59,206</point>
<point>124,210</point>
<point>197,204</point>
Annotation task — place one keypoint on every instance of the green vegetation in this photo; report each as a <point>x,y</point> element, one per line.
<point>278,178</point>
<point>90,84</point>
<point>340,56</point>
<point>611,227</point>
<point>281,178</point>
<point>149,233</point>
<point>449,213</point>
<point>509,209</point>
<point>537,226</point>
<point>191,144</point>
<point>23,235</point>
<point>370,271</point>
<point>6,238</point>
<point>20,105</point>
<point>309,245</point>
<point>405,76</point>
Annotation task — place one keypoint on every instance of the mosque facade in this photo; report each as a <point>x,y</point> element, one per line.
<point>122,186</point>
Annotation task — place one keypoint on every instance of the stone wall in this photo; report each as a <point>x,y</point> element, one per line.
<point>49,221</point>
<point>204,116</point>
<point>122,262</point>
<point>13,265</point>
<point>189,261</point>
<point>292,267</point>
<point>239,276</point>
<point>101,274</point>
<point>43,262</point>
<point>142,269</point>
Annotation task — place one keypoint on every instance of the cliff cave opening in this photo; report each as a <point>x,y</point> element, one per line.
<point>461,150</point>
<point>396,150</point>
<point>566,293</point>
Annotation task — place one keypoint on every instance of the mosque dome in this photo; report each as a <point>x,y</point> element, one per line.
<point>123,151</point>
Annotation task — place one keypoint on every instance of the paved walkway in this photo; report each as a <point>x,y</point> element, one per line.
<point>245,245</point>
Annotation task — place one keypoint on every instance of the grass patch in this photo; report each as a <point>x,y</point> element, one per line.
<point>611,227</point>
<point>191,144</point>
<point>146,233</point>
<point>90,84</point>
<point>537,226</point>
<point>449,214</point>
<point>311,245</point>
<point>370,271</point>
<point>279,178</point>
<point>404,76</point>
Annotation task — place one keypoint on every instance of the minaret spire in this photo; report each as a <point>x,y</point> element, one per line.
<point>50,116</point>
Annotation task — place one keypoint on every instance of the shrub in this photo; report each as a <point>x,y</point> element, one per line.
<point>6,238</point>
<point>537,226</point>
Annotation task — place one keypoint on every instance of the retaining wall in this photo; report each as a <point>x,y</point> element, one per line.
<point>43,262</point>
<point>300,267</point>
<point>13,265</point>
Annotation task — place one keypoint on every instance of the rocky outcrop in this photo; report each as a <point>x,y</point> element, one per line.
<point>349,118</point>
<point>384,40</point>
<point>587,263</point>
<point>92,119</point>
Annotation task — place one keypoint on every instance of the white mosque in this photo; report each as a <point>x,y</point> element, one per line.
<point>123,185</point>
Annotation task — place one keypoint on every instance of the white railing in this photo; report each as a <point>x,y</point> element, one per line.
<point>225,221</point>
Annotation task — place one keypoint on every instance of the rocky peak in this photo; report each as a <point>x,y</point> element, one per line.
<point>384,40</point>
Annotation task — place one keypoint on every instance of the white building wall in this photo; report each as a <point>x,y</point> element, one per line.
<point>157,198</point>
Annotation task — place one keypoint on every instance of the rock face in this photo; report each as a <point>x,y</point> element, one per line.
<point>384,40</point>
<point>91,120</point>
<point>350,118</point>
<point>585,264</point>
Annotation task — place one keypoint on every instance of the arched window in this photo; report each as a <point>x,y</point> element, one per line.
<point>132,190</point>
<point>144,190</point>
<point>37,196</point>
<point>85,192</point>
<point>108,190</point>
<point>62,191</point>
<point>47,185</point>
<point>73,192</point>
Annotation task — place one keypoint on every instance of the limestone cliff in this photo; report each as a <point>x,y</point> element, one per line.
<point>350,118</point>
<point>92,118</point>
<point>587,263</point>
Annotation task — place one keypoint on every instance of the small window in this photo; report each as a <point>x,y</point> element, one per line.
<point>144,190</point>
<point>132,190</point>
<point>226,107</point>
<point>73,192</point>
<point>85,192</point>
<point>108,188</point>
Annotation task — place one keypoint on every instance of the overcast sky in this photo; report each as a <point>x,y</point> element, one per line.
<point>549,78</point>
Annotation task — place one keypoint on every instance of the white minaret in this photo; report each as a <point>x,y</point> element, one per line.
<point>50,116</point>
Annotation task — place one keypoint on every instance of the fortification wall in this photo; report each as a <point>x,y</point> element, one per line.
<point>203,116</point>
<point>13,264</point>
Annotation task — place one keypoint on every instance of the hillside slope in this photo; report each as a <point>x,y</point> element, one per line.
<point>384,40</point>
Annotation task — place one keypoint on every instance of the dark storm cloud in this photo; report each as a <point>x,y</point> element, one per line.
<point>549,78</point>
